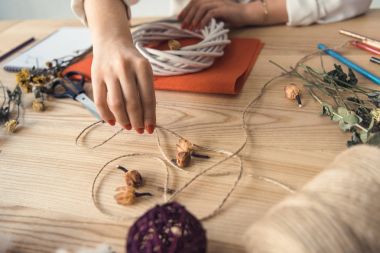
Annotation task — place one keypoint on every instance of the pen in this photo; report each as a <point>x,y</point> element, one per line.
<point>366,47</point>
<point>375,60</point>
<point>368,41</point>
<point>349,63</point>
<point>17,48</point>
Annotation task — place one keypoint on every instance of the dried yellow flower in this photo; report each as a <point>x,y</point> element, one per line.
<point>38,105</point>
<point>174,45</point>
<point>23,80</point>
<point>11,125</point>
<point>39,80</point>
<point>375,113</point>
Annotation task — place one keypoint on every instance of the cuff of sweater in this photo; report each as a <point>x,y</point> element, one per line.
<point>78,8</point>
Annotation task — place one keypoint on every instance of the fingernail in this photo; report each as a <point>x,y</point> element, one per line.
<point>140,130</point>
<point>150,129</point>
<point>128,126</point>
<point>183,25</point>
<point>111,122</point>
<point>191,27</point>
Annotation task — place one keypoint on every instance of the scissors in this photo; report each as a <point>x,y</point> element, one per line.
<point>71,86</point>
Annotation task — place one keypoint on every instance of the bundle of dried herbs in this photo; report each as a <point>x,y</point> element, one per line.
<point>10,108</point>
<point>39,80</point>
<point>355,108</point>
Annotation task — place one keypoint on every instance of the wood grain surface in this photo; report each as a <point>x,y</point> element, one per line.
<point>45,180</point>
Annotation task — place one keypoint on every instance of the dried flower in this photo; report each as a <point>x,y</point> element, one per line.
<point>183,159</point>
<point>39,80</point>
<point>132,177</point>
<point>184,146</point>
<point>126,195</point>
<point>292,92</point>
<point>38,105</point>
<point>174,45</point>
<point>23,80</point>
<point>375,113</point>
<point>11,125</point>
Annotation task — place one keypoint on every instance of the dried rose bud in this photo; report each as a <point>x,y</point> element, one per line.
<point>125,195</point>
<point>11,125</point>
<point>38,105</point>
<point>184,146</point>
<point>133,178</point>
<point>183,159</point>
<point>174,45</point>
<point>292,92</point>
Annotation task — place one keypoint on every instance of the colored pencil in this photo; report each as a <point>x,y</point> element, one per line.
<point>17,48</point>
<point>349,63</point>
<point>375,60</point>
<point>365,47</point>
<point>371,42</point>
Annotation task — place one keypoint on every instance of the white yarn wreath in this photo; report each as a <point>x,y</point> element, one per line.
<point>188,59</point>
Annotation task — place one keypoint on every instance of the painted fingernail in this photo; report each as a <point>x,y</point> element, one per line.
<point>140,130</point>
<point>128,126</point>
<point>111,122</point>
<point>150,129</point>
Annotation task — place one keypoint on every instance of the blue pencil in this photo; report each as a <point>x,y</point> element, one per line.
<point>349,63</point>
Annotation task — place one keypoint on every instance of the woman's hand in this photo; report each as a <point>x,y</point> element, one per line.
<point>122,81</point>
<point>122,78</point>
<point>198,13</point>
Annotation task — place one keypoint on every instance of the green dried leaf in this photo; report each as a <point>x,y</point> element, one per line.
<point>336,118</point>
<point>327,109</point>
<point>351,118</point>
<point>343,111</point>
<point>364,136</point>
<point>345,126</point>
<point>374,139</point>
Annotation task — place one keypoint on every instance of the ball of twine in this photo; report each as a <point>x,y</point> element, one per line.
<point>187,59</point>
<point>168,228</point>
<point>337,212</point>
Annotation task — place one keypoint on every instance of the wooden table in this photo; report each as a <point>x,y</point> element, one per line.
<point>45,180</point>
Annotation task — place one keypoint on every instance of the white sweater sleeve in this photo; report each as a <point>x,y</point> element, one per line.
<point>306,12</point>
<point>78,8</point>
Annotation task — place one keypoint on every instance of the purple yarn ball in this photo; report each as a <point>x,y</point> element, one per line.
<point>168,228</point>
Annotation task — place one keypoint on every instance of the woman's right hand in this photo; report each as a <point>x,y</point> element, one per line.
<point>122,78</point>
<point>122,82</point>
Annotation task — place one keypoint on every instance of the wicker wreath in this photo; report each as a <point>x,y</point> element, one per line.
<point>187,59</point>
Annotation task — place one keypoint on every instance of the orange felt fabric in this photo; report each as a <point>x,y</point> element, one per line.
<point>226,76</point>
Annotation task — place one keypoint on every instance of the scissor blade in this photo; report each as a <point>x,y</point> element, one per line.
<point>87,102</point>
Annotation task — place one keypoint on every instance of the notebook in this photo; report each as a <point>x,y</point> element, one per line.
<point>66,41</point>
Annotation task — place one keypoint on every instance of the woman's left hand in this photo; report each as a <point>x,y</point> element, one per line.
<point>198,13</point>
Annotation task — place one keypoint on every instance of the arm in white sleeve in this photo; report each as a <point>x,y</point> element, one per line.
<point>78,8</point>
<point>306,12</point>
